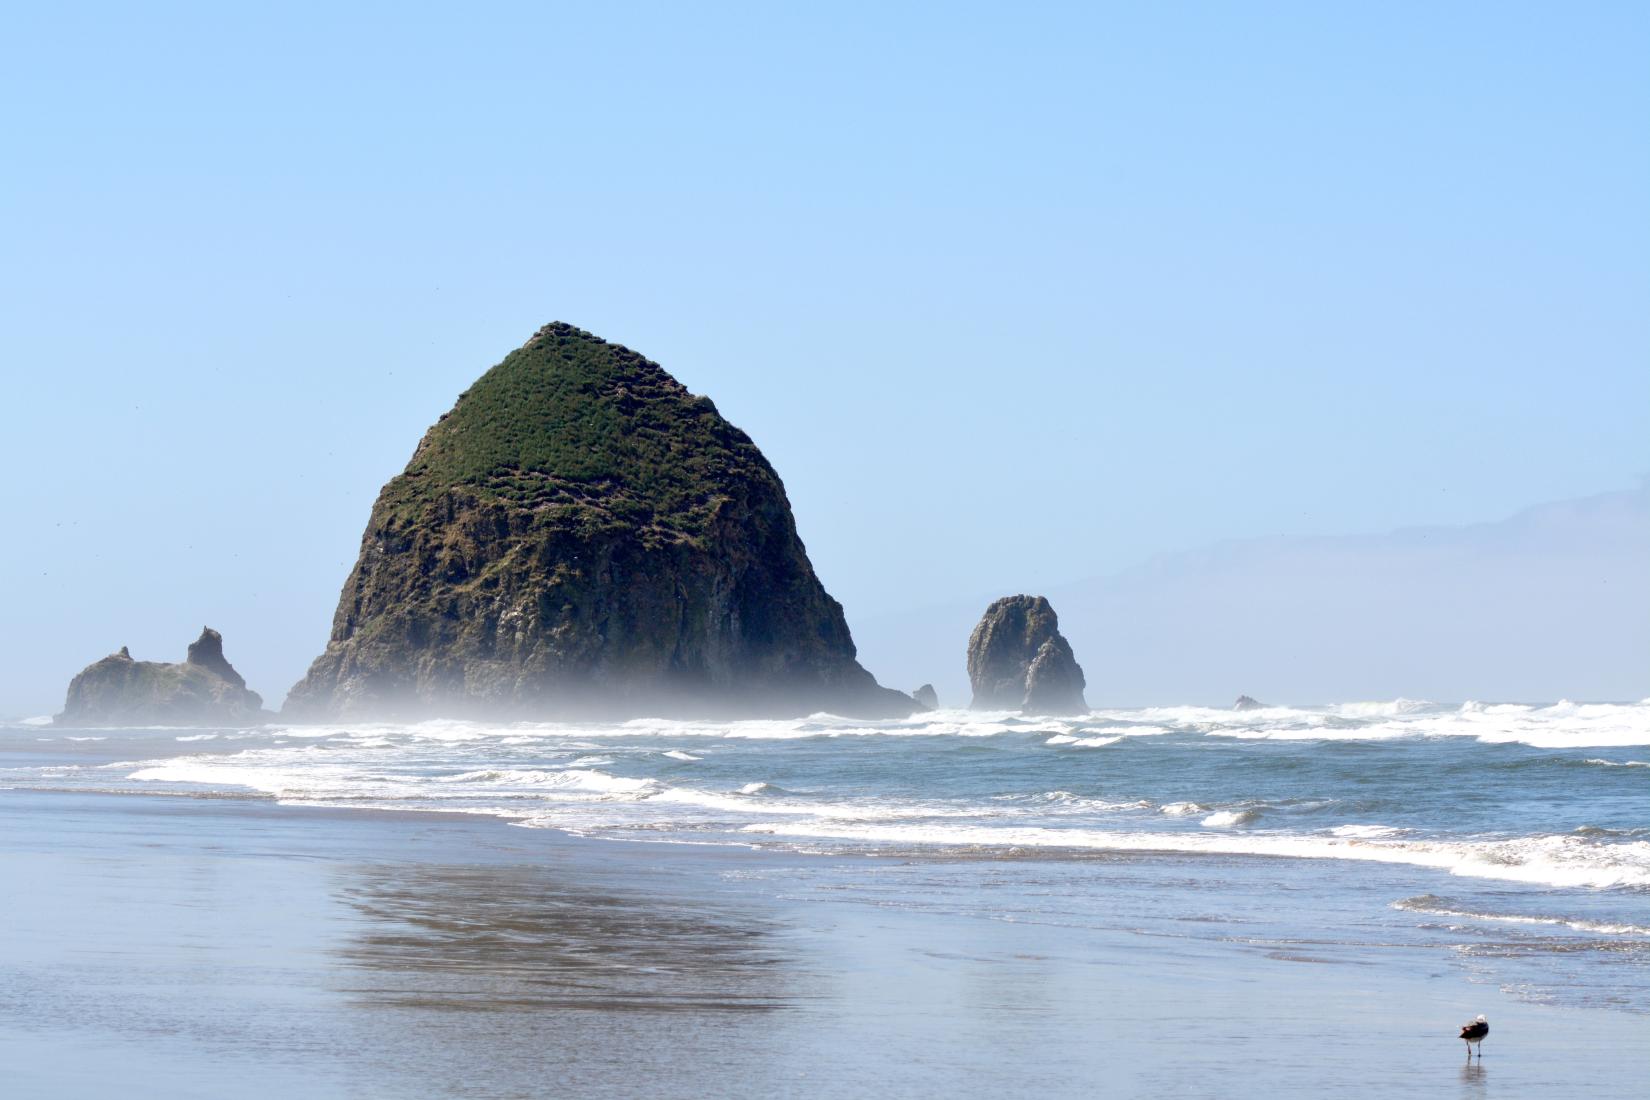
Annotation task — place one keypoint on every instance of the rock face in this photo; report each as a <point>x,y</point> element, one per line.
<point>203,690</point>
<point>1018,660</point>
<point>927,697</point>
<point>207,652</point>
<point>1246,703</point>
<point>581,536</point>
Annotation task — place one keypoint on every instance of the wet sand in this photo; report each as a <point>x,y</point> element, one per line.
<point>156,946</point>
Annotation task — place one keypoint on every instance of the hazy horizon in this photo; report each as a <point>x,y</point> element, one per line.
<point>1594,541</point>
<point>1552,602</point>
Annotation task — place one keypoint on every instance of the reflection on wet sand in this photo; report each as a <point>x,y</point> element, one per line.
<point>507,938</point>
<point>588,978</point>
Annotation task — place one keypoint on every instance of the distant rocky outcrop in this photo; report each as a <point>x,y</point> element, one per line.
<point>1018,660</point>
<point>1246,703</point>
<point>202,690</point>
<point>581,536</point>
<point>926,696</point>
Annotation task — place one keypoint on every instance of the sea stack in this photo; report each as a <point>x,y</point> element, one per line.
<point>1019,660</point>
<point>203,690</point>
<point>1246,703</point>
<point>926,696</point>
<point>582,537</point>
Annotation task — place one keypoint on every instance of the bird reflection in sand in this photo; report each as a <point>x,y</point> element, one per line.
<point>513,938</point>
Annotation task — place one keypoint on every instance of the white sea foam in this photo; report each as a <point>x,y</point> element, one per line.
<point>1068,802</point>
<point>294,780</point>
<point>1082,742</point>
<point>583,780</point>
<point>1563,725</point>
<point>678,754</point>
<point>205,773</point>
<point>1381,732</point>
<point>1389,709</point>
<point>1434,906</point>
<point>1366,832</point>
<point>765,800</point>
<point>1559,726</point>
<point>941,723</point>
<point>738,802</point>
<point>1550,860</point>
<point>1182,809</point>
<point>1183,718</point>
<point>1226,819</point>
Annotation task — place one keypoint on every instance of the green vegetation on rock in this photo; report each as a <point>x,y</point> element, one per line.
<point>588,431</point>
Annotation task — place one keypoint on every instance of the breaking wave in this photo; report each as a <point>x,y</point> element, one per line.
<point>1226,819</point>
<point>1561,725</point>
<point>1564,861</point>
<point>586,780</point>
<point>1442,907</point>
<point>1400,782</point>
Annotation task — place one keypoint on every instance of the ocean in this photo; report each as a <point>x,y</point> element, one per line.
<point>1509,842</point>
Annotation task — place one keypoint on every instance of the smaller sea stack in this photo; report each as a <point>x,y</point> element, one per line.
<point>1019,660</point>
<point>203,690</point>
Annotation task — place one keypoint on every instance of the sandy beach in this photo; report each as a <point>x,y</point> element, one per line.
<point>187,947</point>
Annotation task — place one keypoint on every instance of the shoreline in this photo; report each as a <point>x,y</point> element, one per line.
<point>655,967</point>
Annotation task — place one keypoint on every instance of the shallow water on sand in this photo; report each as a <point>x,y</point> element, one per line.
<point>207,947</point>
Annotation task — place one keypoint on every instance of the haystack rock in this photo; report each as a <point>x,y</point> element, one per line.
<point>581,536</point>
<point>1018,660</point>
<point>204,690</point>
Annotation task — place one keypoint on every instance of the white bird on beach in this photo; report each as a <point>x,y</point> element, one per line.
<point>1474,1034</point>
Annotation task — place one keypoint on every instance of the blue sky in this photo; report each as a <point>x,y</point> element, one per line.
<point>1010,296</point>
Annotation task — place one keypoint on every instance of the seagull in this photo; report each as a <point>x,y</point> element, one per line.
<point>1474,1034</point>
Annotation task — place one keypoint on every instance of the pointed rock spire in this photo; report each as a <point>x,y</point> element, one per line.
<point>207,652</point>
